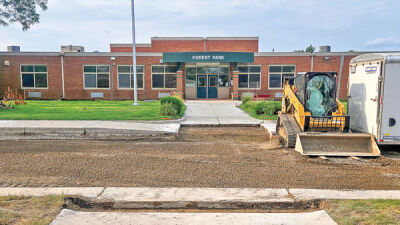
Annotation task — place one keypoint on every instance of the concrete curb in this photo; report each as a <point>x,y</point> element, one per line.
<point>220,125</point>
<point>89,192</point>
<point>115,130</point>
<point>206,198</point>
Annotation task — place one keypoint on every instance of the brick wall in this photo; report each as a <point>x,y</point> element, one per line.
<point>194,46</point>
<point>74,81</point>
<point>302,63</point>
<point>232,45</point>
<point>11,76</point>
<point>74,86</point>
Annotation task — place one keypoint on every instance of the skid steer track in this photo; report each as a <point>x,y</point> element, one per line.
<point>287,129</point>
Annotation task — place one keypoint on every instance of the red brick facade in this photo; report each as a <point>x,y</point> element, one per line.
<point>192,45</point>
<point>151,54</point>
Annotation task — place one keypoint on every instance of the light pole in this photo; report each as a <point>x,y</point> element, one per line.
<point>134,55</point>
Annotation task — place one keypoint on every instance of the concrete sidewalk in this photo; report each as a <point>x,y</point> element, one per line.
<point>70,217</point>
<point>86,129</point>
<point>208,198</point>
<point>217,113</point>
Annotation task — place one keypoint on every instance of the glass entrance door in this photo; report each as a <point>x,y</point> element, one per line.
<point>202,86</point>
<point>204,82</point>
<point>212,86</point>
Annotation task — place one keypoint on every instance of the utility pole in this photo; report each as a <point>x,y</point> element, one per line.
<point>135,102</point>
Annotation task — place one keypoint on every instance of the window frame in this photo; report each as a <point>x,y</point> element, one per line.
<point>279,73</point>
<point>130,81</point>
<point>34,77</point>
<point>248,73</point>
<point>96,73</point>
<point>163,74</point>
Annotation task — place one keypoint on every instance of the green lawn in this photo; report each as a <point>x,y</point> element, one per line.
<point>20,210</point>
<point>364,212</point>
<point>84,110</point>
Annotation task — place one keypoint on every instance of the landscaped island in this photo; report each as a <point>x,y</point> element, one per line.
<point>85,110</point>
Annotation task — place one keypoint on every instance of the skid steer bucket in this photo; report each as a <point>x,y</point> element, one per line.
<point>336,144</point>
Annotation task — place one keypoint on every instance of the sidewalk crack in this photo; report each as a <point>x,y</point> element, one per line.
<point>102,191</point>
<point>290,195</point>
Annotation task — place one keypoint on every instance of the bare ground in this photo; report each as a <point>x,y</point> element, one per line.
<point>202,157</point>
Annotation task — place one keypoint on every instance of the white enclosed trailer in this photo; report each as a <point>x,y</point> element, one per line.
<point>374,96</point>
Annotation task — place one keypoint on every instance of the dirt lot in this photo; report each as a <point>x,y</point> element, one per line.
<point>203,157</point>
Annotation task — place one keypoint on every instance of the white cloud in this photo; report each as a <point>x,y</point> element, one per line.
<point>281,24</point>
<point>383,42</point>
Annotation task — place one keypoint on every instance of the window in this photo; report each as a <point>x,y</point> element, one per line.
<point>34,76</point>
<point>190,81</point>
<point>221,71</point>
<point>223,80</point>
<point>96,76</point>
<point>278,74</point>
<point>249,76</point>
<point>164,76</point>
<point>190,77</point>
<point>125,77</point>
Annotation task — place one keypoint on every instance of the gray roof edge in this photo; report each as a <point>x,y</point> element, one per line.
<point>384,56</point>
<point>130,45</point>
<point>177,38</point>
<point>233,38</point>
<point>306,54</point>
<point>30,53</point>
<point>104,54</point>
<point>203,38</point>
<point>115,54</point>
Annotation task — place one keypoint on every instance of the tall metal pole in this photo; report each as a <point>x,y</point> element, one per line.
<point>134,55</point>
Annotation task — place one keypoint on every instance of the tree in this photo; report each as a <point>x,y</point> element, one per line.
<point>310,49</point>
<point>22,11</point>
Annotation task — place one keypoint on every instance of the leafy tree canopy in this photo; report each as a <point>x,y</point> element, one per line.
<point>310,49</point>
<point>21,11</point>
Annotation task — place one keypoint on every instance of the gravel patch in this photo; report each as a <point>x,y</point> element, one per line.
<point>202,157</point>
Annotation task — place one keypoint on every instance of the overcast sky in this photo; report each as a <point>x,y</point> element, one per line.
<point>283,25</point>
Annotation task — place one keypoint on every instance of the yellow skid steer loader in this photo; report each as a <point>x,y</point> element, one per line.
<point>314,121</point>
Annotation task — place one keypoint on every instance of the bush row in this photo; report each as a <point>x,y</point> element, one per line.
<point>172,106</point>
<point>269,108</point>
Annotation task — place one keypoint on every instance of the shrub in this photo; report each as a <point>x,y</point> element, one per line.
<point>168,109</point>
<point>267,107</point>
<point>176,102</point>
<point>11,98</point>
<point>250,105</point>
<point>246,99</point>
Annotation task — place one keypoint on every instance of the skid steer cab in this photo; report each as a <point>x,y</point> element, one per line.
<point>314,121</point>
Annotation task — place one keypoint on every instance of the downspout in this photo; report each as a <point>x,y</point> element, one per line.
<point>205,44</point>
<point>312,62</point>
<point>340,75</point>
<point>112,81</point>
<point>62,75</point>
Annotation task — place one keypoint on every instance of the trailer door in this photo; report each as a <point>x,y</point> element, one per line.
<point>363,97</point>
<point>390,128</point>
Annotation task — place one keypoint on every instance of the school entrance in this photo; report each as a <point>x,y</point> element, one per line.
<point>207,82</point>
<point>208,75</point>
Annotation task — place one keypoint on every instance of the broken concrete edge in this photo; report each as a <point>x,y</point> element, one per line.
<point>45,133</point>
<point>220,125</point>
<point>90,203</point>
<point>98,193</point>
<point>269,133</point>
